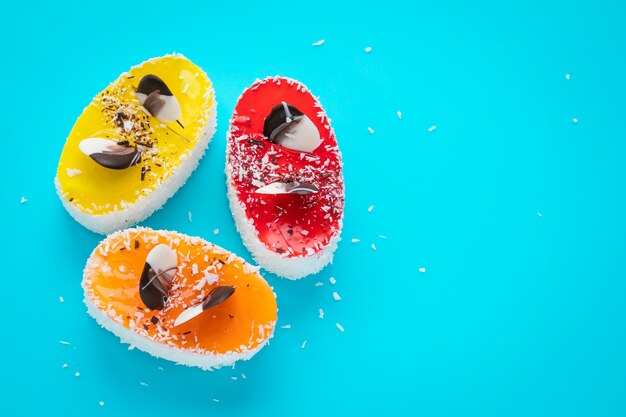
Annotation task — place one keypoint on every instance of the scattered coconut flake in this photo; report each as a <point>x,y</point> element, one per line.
<point>399,113</point>
<point>539,214</point>
<point>234,378</point>
<point>319,284</point>
<point>63,342</point>
<point>303,344</point>
<point>23,200</point>
<point>143,384</point>
<point>567,76</point>
<point>64,365</point>
<point>216,232</point>
<point>422,270</point>
<point>319,43</point>
<point>160,368</point>
<point>244,376</point>
<point>340,327</point>
<point>336,296</point>
<point>575,120</point>
<point>332,280</point>
<point>368,49</point>
<point>61,299</point>
<point>215,400</point>
<point>72,172</point>
<point>370,208</point>
<point>370,130</point>
<point>355,240</point>
<point>321,316</point>
<point>432,128</point>
<point>190,219</point>
<point>77,374</point>
<point>286,326</point>
<point>373,247</point>
<point>101,403</point>
<point>382,236</point>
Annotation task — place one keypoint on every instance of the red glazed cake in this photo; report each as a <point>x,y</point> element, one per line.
<point>284,177</point>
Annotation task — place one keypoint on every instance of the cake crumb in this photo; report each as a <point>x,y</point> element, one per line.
<point>340,327</point>
<point>432,128</point>
<point>319,43</point>
<point>336,296</point>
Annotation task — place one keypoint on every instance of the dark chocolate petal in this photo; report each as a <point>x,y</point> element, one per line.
<point>158,100</point>
<point>290,128</point>
<point>110,154</point>
<point>217,296</point>
<point>150,83</point>
<point>156,278</point>
<point>279,119</point>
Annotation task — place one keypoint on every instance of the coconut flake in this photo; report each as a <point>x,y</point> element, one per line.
<point>422,270</point>
<point>370,130</point>
<point>319,43</point>
<point>23,200</point>
<point>368,49</point>
<point>321,315</point>
<point>340,327</point>
<point>72,172</point>
<point>336,296</point>
<point>432,128</point>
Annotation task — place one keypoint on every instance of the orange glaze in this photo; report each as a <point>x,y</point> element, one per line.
<point>241,323</point>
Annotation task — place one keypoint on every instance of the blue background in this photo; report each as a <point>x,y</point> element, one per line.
<point>517,314</point>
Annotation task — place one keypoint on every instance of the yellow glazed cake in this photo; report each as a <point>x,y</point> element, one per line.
<point>136,143</point>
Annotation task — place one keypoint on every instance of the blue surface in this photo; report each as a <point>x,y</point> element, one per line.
<point>517,314</point>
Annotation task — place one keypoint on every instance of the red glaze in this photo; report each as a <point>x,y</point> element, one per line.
<point>289,224</point>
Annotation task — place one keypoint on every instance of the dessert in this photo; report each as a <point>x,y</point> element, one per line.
<point>136,143</point>
<point>284,177</point>
<point>179,297</point>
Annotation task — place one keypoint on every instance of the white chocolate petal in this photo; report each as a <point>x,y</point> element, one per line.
<point>302,136</point>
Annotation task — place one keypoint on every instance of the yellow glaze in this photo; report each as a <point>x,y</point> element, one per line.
<point>97,190</point>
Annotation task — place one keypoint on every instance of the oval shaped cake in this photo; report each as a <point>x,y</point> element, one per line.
<point>284,177</point>
<point>136,143</point>
<point>178,297</point>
